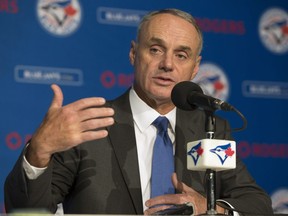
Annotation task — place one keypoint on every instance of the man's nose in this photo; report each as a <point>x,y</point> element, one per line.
<point>167,63</point>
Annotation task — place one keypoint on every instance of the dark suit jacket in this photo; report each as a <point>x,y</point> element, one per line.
<point>102,176</point>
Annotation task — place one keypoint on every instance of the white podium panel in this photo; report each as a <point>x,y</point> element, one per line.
<point>212,154</point>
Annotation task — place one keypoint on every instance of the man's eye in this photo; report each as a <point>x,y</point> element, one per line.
<point>154,50</point>
<point>181,56</point>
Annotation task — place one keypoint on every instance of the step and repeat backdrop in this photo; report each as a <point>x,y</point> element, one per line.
<point>83,46</point>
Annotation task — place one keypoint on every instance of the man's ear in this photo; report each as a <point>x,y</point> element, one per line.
<point>132,52</point>
<point>196,68</point>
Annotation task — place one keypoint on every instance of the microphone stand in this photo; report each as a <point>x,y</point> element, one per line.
<point>210,174</point>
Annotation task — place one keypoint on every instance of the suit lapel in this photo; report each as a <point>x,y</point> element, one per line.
<point>123,140</point>
<point>188,128</point>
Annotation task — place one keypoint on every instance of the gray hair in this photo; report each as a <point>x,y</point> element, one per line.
<point>176,12</point>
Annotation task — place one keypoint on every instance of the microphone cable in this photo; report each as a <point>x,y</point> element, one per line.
<point>244,120</point>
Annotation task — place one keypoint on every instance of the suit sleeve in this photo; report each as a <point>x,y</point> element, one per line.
<point>43,193</point>
<point>238,187</point>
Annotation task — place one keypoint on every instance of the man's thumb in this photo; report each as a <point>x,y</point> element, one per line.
<point>58,97</point>
<point>179,185</point>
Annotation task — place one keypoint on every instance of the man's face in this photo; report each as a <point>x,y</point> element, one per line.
<point>166,53</point>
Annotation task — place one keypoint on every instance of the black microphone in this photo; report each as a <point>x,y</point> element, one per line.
<point>187,95</point>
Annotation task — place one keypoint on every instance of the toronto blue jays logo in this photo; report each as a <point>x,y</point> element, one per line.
<point>280,200</point>
<point>195,152</point>
<point>59,17</point>
<point>223,152</point>
<point>212,79</point>
<point>273,29</point>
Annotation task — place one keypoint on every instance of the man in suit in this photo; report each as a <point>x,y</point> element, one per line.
<point>95,157</point>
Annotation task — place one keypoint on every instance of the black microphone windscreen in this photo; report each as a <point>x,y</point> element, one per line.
<point>180,94</point>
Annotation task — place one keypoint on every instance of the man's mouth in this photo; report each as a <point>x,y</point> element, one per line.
<point>163,79</point>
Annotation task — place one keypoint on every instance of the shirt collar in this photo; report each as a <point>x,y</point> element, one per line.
<point>144,115</point>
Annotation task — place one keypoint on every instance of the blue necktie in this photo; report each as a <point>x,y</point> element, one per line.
<point>163,160</point>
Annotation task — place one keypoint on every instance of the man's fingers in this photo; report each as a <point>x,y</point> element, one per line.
<point>93,113</point>
<point>81,104</point>
<point>177,184</point>
<point>85,103</point>
<point>57,101</point>
<point>96,124</point>
<point>92,135</point>
<point>151,211</point>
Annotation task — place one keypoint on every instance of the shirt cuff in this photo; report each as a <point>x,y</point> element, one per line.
<point>32,172</point>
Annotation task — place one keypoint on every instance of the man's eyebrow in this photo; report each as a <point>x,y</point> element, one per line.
<point>185,48</point>
<point>157,40</point>
<point>162,42</point>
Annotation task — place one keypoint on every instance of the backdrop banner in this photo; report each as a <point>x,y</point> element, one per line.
<point>83,46</point>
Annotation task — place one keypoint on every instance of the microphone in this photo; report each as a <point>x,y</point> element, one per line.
<point>188,96</point>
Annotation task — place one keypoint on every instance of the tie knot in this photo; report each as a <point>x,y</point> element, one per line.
<point>161,123</point>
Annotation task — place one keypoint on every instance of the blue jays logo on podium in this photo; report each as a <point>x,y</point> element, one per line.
<point>223,152</point>
<point>59,17</point>
<point>195,152</point>
<point>211,154</point>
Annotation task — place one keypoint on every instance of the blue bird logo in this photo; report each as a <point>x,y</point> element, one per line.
<point>223,152</point>
<point>195,152</point>
<point>278,30</point>
<point>60,10</point>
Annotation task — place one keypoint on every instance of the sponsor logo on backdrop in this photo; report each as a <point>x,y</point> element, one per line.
<point>110,79</point>
<point>273,30</point>
<point>217,26</point>
<point>265,89</point>
<point>59,17</point>
<point>213,81</point>
<point>127,17</point>
<point>262,150</point>
<point>117,16</point>
<point>48,75</point>
<point>280,200</point>
<point>15,141</point>
<point>9,6</point>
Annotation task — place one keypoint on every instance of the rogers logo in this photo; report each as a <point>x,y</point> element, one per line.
<point>14,140</point>
<point>262,150</point>
<point>221,26</point>
<point>9,6</point>
<point>110,79</point>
